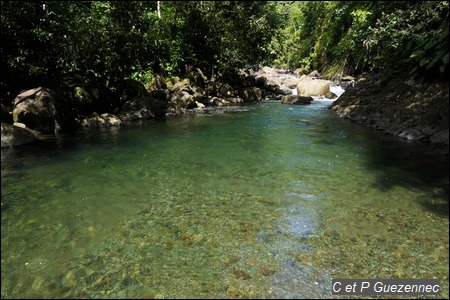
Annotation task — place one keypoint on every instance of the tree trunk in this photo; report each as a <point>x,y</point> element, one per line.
<point>158,9</point>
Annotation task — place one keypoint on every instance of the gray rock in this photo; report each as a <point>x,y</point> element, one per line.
<point>412,134</point>
<point>440,137</point>
<point>100,121</point>
<point>36,109</point>
<point>296,99</point>
<point>15,135</point>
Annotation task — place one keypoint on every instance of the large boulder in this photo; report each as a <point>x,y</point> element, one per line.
<point>127,89</point>
<point>15,135</point>
<point>91,96</point>
<point>77,96</point>
<point>249,94</point>
<point>36,109</point>
<point>269,80</point>
<point>184,95</point>
<point>143,107</point>
<point>313,87</point>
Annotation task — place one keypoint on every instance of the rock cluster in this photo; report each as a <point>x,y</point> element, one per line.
<point>410,108</point>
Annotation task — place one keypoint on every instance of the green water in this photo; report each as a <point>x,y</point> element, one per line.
<point>256,201</point>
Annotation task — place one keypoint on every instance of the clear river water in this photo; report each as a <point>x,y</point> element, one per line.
<point>262,200</point>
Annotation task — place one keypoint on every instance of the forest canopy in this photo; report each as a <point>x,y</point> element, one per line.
<point>44,42</point>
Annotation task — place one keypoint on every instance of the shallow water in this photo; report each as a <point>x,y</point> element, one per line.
<point>263,200</point>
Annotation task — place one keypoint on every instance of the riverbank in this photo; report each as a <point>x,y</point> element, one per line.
<point>408,107</point>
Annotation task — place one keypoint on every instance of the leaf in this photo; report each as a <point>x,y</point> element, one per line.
<point>423,61</point>
<point>417,53</point>
<point>436,58</point>
<point>430,44</point>
<point>445,58</point>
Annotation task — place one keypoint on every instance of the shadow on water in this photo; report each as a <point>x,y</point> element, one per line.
<point>413,165</point>
<point>408,164</point>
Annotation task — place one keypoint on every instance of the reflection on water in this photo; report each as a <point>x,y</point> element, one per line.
<point>253,201</point>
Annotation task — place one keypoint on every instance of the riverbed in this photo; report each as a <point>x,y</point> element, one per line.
<point>261,200</point>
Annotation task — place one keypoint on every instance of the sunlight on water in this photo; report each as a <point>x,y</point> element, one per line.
<point>257,201</point>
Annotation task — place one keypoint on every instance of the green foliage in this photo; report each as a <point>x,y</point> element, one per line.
<point>358,36</point>
<point>145,77</point>
<point>46,42</point>
<point>285,47</point>
<point>218,36</point>
<point>107,41</point>
<point>417,35</point>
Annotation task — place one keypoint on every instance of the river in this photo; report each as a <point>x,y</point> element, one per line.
<point>262,200</point>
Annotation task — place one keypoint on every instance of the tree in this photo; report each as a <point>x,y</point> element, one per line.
<point>360,36</point>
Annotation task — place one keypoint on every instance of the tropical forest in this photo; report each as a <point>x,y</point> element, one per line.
<point>224,149</point>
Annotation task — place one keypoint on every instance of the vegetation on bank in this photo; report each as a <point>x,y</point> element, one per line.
<point>364,36</point>
<point>45,43</point>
